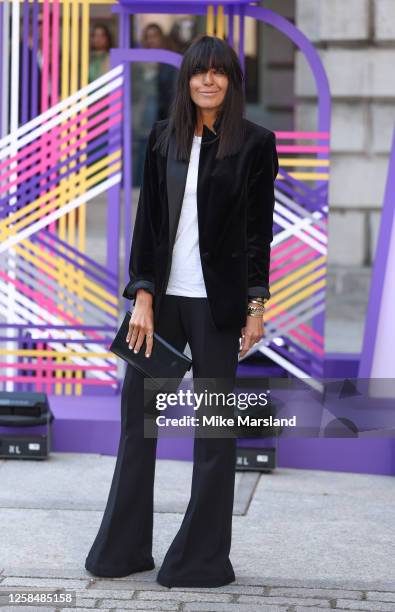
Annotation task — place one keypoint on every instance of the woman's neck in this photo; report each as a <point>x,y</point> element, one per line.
<point>205,118</point>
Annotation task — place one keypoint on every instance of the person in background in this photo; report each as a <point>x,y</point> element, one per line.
<point>99,64</point>
<point>181,35</point>
<point>99,59</point>
<point>153,91</point>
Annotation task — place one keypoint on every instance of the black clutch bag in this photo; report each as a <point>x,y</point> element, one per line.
<point>164,362</point>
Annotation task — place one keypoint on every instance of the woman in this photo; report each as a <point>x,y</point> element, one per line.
<point>99,64</point>
<point>207,199</point>
<point>99,60</point>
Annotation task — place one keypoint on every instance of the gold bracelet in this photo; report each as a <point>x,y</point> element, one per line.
<point>255,311</point>
<point>256,314</point>
<point>256,303</point>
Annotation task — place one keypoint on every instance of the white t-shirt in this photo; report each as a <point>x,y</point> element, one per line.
<point>186,276</point>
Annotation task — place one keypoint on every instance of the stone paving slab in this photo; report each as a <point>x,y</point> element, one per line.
<point>171,494</point>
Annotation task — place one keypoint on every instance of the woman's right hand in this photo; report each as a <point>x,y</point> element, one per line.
<point>141,323</point>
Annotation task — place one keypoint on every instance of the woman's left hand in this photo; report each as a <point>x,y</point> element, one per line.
<point>251,333</point>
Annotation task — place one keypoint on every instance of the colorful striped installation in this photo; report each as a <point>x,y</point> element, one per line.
<point>316,168</point>
<point>60,310</point>
<point>299,248</point>
<point>47,175</point>
<point>57,305</point>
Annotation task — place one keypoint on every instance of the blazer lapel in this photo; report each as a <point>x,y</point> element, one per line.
<point>176,176</point>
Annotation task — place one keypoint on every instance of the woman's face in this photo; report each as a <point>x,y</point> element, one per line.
<point>99,40</point>
<point>208,89</point>
<point>153,38</point>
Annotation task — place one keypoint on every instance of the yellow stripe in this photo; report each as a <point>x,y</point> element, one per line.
<point>39,262</point>
<point>307,176</point>
<point>296,287</point>
<point>41,211</point>
<point>291,161</point>
<point>301,295</point>
<point>72,277</point>
<point>290,278</point>
<point>210,20</point>
<point>86,293</point>
<point>220,21</point>
<point>65,89</point>
<point>83,157</point>
<point>71,216</point>
<point>37,203</point>
<point>280,295</point>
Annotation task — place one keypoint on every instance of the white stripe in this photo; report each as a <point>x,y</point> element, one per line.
<point>10,291</point>
<point>49,125</point>
<point>60,212</point>
<point>14,66</point>
<point>286,212</point>
<point>32,313</point>
<point>71,100</point>
<point>287,365</point>
<point>293,229</point>
<point>317,215</point>
<point>5,67</point>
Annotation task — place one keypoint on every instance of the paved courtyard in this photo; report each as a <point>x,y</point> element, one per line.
<point>302,539</point>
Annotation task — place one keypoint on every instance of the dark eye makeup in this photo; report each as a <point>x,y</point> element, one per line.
<point>200,70</point>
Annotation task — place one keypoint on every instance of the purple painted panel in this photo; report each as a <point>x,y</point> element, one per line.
<point>126,56</point>
<point>381,262</point>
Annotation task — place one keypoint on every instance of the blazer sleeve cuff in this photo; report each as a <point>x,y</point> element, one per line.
<point>131,288</point>
<point>259,292</point>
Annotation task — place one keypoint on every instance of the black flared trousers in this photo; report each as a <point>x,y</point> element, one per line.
<point>199,554</point>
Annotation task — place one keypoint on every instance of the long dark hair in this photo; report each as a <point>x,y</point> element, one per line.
<point>204,53</point>
<point>107,33</point>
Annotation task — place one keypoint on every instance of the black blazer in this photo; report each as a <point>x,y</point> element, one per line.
<point>235,201</point>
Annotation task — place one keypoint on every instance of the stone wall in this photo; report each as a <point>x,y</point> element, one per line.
<point>356,41</point>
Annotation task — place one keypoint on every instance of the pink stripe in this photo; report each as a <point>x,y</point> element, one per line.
<point>39,143</point>
<point>317,349</point>
<point>311,332</point>
<point>292,265</point>
<point>54,88</point>
<point>291,135</point>
<point>47,304</point>
<point>39,380</point>
<point>302,149</point>
<point>44,162</point>
<point>302,326</point>
<point>40,362</point>
<point>55,54</point>
<point>82,115</point>
<point>304,341</point>
<point>306,328</point>
<point>57,153</point>
<point>46,56</point>
<point>299,248</point>
<point>49,365</point>
<point>284,244</point>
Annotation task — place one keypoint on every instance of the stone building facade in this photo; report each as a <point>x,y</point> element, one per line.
<point>356,41</point>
